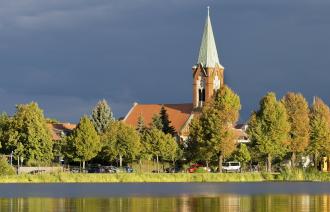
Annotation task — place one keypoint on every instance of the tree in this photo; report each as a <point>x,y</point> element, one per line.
<point>4,127</point>
<point>101,116</point>
<point>298,117</point>
<point>145,152</point>
<point>84,143</point>
<point>269,127</point>
<point>28,135</point>
<point>242,155</point>
<point>171,149</point>
<point>196,149</point>
<point>167,128</point>
<point>5,167</point>
<point>141,127</point>
<point>157,140</point>
<point>120,141</point>
<point>216,136</point>
<point>319,129</point>
<point>156,122</point>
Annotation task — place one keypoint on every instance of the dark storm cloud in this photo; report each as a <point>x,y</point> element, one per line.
<point>67,55</point>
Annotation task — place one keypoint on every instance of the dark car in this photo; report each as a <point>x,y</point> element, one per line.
<point>96,169</point>
<point>172,170</point>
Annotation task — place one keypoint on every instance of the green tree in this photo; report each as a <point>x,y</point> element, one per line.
<point>319,129</point>
<point>161,145</point>
<point>145,152</point>
<point>171,151</point>
<point>156,122</point>
<point>215,137</point>
<point>101,116</point>
<point>141,127</point>
<point>269,127</point>
<point>84,143</point>
<point>166,123</point>
<point>298,117</point>
<point>196,149</point>
<point>28,135</point>
<point>4,127</point>
<point>5,167</point>
<point>243,155</point>
<point>120,141</point>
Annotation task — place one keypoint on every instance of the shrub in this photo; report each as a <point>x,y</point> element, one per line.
<point>201,170</point>
<point>5,168</point>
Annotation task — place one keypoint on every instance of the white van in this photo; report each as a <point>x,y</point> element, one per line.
<point>231,166</point>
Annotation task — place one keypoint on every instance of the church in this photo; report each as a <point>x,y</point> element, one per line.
<point>207,76</point>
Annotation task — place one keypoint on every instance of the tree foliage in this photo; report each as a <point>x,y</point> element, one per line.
<point>4,128</point>
<point>298,117</point>
<point>141,127</point>
<point>196,149</point>
<point>213,134</point>
<point>156,122</point>
<point>269,128</point>
<point>166,123</point>
<point>5,167</point>
<point>101,116</point>
<point>28,135</point>
<point>84,143</point>
<point>319,129</point>
<point>120,141</point>
<point>243,154</point>
<point>161,145</point>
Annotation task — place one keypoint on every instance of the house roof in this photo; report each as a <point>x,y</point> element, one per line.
<point>178,114</point>
<point>58,129</point>
<point>208,54</point>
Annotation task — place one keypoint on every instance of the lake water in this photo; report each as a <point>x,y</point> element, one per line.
<point>145,197</point>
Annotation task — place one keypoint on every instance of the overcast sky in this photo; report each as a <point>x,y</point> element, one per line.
<point>68,54</point>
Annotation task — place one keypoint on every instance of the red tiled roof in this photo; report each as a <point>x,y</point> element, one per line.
<point>178,114</point>
<point>59,128</point>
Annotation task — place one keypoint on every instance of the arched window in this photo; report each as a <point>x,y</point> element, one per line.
<point>201,92</point>
<point>216,83</point>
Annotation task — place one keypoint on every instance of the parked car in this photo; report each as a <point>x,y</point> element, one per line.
<point>111,169</point>
<point>172,170</point>
<point>231,166</point>
<point>96,169</point>
<point>193,168</point>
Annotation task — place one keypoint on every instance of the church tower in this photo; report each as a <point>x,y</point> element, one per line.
<point>208,72</point>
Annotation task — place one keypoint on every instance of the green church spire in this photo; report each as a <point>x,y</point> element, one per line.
<point>208,54</point>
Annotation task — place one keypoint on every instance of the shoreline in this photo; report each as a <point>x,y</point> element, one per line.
<point>164,178</point>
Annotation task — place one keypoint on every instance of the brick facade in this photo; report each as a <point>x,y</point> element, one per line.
<point>209,74</point>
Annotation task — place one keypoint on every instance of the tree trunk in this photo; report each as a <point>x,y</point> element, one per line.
<point>120,160</point>
<point>207,164</point>
<point>220,163</point>
<point>316,161</point>
<point>293,160</point>
<point>83,166</point>
<point>140,164</point>
<point>269,163</point>
<point>157,163</point>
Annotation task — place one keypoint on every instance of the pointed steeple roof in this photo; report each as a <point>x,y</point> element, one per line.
<point>208,54</point>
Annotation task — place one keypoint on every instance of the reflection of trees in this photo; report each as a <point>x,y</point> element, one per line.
<point>232,203</point>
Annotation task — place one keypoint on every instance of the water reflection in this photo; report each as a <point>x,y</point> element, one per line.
<point>278,203</point>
